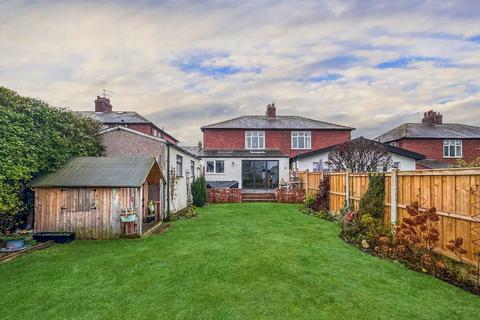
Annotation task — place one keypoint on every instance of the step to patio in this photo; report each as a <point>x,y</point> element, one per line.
<point>259,197</point>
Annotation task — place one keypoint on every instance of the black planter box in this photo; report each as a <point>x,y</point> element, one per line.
<point>57,237</point>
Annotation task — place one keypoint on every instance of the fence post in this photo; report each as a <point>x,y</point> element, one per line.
<point>347,187</point>
<point>306,182</point>
<point>393,196</point>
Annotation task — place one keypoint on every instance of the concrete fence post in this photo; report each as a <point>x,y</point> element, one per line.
<point>393,196</point>
<point>347,187</point>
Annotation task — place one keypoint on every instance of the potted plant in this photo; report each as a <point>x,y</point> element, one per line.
<point>128,215</point>
<point>14,241</point>
<point>151,212</point>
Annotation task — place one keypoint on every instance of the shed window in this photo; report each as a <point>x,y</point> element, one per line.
<point>452,148</point>
<point>301,140</point>
<point>78,199</point>
<point>255,140</point>
<point>179,168</point>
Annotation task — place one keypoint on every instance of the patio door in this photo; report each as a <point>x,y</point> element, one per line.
<point>260,174</point>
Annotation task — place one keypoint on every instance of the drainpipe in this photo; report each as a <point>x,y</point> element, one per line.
<point>168,180</point>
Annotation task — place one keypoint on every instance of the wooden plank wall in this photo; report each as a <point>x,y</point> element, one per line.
<point>92,213</point>
<point>453,192</point>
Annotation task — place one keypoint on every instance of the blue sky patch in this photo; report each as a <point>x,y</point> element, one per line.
<point>475,39</point>
<point>404,62</point>
<point>204,64</point>
<point>322,78</point>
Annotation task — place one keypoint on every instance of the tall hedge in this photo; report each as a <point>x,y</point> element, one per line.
<point>199,191</point>
<point>36,138</point>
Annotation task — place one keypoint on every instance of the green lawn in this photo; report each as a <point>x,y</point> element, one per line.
<point>236,261</point>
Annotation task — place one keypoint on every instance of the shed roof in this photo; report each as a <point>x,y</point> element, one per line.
<point>98,172</point>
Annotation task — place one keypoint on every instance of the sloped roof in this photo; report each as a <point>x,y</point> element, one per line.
<point>426,130</point>
<point>432,164</point>
<point>278,122</point>
<point>115,117</point>
<point>388,147</point>
<point>242,154</point>
<point>98,172</point>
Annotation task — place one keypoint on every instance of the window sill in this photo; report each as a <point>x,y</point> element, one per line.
<point>452,157</point>
<point>215,173</point>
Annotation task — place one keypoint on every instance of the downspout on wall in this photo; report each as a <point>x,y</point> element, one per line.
<point>168,181</point>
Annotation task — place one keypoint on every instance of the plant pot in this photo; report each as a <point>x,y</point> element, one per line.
<point>14,244</point>
<point>128,218</point>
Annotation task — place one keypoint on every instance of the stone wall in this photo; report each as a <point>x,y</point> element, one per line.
<point>290,195</point>
<point>224,195</point>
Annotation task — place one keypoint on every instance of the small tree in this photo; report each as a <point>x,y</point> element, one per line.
<point>359,155</point>
<point>372,201</point>
<point>199,191</point>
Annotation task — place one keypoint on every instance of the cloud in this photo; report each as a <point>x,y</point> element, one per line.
<point>368,64</point>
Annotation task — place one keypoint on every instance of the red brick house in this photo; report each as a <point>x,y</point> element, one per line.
<point>442,143</point>
<point>254,150</point>
<point>130,119</point>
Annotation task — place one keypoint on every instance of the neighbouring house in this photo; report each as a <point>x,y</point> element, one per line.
<point>129,119</point>
<point>441,143</point>
<point>89,194</point>
<point>182,166</point>
<point>317,160</point>
<point>126,133</point>
<point>254,150</point>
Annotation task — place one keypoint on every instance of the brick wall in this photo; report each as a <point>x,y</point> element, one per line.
<point>224,195</point>
<point>433,148</point>
<point>290,195</point>
<point>274,139</point>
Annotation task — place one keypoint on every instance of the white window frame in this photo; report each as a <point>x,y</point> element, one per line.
<point>214,166</point>
<point>307,140</point>
<point>457,148</point>
<point>250,136</point>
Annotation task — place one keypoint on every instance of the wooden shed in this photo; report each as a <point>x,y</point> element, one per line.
<point>88,196</point>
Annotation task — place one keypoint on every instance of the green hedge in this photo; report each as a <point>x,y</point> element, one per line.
<point>36,138</point>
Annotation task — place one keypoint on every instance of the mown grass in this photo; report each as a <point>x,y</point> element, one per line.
<point>236,261</point>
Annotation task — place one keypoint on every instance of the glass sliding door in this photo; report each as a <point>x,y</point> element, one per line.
<point>260,174</point>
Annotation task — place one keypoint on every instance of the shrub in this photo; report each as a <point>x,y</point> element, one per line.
<point>185,213</point>
<point>373,200</point>
<point>199,191</point>
<point>362,229</point>
<point>309,199</point>
<point>321,200</point>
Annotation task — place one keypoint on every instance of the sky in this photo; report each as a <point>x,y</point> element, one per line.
<point>371,65</point>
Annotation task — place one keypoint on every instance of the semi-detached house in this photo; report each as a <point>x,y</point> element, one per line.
<point>253,151</point>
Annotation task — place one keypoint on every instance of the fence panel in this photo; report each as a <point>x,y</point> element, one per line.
<point>455,193</point>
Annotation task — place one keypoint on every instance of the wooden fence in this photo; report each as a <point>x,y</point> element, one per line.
<point>454,193</point>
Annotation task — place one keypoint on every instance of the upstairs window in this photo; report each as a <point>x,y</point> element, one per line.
<point>452,148</point>
<point>179,167</point>
<point>255,140</point>
<point>301,140</point>
<point>216,166</point>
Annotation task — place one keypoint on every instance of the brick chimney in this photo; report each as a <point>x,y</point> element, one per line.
<point>432,117</point>
<point>102,105</point>
<point>271,110</point>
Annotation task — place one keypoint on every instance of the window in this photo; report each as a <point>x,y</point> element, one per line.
<point>255,140</point>
<point>452,148</point>
<point>192,168</point>
<point>396,165</point>
<point>216,166</point>
<point>179,172</point>
<point>394,143</point>
<point>315,166</point>
<point>301,140</point>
